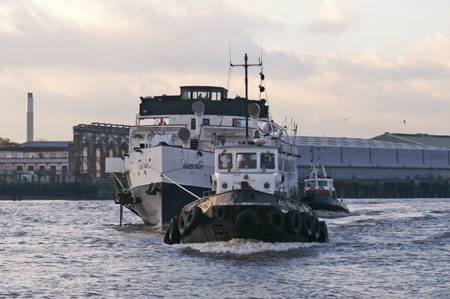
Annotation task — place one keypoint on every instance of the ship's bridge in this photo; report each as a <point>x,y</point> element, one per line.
<point>215,100</point>
<point>203,93</point>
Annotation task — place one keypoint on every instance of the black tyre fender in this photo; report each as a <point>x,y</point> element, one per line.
<point>316,229</point>
<point>275,220</point>
<point>167,235</point>
<point>308,225</point>
<point>323,236</point>
<point>221,213</point>
<point>182,223</point>
<point>172,235</point>
<point>192,219</point>
<point>293,222</point>
<point>247,221</point>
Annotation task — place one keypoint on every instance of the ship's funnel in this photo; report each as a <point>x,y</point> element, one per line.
<point>198,108</point>
<point>30,128</point>
<point>253,110</point>
<point>185,137</point>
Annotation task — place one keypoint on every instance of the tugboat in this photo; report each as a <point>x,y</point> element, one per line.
<point>320,193</point>
<point>254,196</point>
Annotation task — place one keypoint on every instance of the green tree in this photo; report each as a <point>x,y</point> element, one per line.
<point>4,142</point>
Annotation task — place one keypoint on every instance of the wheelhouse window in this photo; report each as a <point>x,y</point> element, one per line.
<point>311,184</point>
<point>216,96</point>
<point>246,160</point>
<point>267,161</point>
<point>225,161</point>
<point>323,184</point>
<point>201,95</point>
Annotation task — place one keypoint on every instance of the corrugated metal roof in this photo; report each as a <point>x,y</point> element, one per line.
<point>358,142</point>
<point>423,139</point>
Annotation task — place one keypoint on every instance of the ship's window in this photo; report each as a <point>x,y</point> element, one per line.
<point>185,95</point>
<point>310,184</point>
<point>19,168</point>
<point>64,169</point>
<point>206,121</point>
<point>42,168</point>
<point>192,123</point>
<point>280,164</point>
<point>246,160</point>
<point>30,168</point>
<point>201,95</point>
<point>216,96</point>
<point>225,161</point>
<point>323,183</point>
<point>267,161</point>
<point>238,123</point>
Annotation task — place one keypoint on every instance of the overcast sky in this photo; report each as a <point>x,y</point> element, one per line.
<point>373,63</point>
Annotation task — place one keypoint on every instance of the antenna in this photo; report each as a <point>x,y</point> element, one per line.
<point>246,65</point>
<point>229,69</point>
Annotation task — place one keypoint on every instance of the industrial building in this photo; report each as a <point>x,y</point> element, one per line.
<point>35,161</point>
<point>376,168</point>
<point>93,143</point>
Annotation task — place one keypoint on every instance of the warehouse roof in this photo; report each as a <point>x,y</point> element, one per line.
<point>358,142</point>
<point>421,139</point>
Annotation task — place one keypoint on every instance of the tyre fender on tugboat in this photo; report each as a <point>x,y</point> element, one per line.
<point>182,223</point>
<point>191,220</point>
<point>316,230</point>
<point>293,222</point>
<point>275,220</point>
<point>247,221</point>
<point>323,236</point>
<point>307,227</point>
<point>172,235</point>
<point>221,213</point>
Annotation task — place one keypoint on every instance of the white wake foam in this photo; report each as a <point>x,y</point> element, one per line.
<point>244,246</point>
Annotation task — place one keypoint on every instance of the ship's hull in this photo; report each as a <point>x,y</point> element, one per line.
<point>157,203</point>
<point>325,203</point>
<point>247,214</point>
<point>159,177</point>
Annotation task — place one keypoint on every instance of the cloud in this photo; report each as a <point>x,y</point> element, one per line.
<point>331,20</point>
<point>87,69</point>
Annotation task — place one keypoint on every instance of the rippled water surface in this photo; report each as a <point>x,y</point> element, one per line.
<point>384,248</point>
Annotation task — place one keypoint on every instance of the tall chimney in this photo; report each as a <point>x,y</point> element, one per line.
<point>30,117</point>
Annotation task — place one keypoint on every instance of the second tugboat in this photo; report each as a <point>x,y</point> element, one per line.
<point>255,186</point>
<point>320,193</point>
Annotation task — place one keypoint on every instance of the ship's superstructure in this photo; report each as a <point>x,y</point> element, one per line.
<point>170,158</point>
<point>254,196</point>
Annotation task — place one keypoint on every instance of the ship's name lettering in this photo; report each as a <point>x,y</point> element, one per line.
<point>193,166</point>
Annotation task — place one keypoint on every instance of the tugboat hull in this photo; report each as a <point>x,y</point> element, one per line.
<point>323,202</point>
<point>247,214</point>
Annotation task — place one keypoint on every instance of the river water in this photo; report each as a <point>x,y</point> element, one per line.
<point>70,249</point>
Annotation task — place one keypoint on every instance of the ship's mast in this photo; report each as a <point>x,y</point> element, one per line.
<point>246,65</point>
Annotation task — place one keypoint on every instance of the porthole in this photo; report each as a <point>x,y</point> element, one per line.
<point>224,185</point>
<point>266,185</point>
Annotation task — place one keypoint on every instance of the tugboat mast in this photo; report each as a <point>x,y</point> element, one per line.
<point>246,65</point>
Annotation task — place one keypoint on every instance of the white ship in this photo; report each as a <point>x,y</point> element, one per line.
<point>171,148</point>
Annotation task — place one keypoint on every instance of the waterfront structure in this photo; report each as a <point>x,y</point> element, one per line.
<point>93,143</point>
<point>374,168</point>
<point>35,161</point>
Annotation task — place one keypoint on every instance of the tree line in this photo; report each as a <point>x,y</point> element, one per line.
<point>6,142</point>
